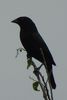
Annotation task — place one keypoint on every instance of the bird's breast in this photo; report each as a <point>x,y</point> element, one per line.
<point>26,41</point>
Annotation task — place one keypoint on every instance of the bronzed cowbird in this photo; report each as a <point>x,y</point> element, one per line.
<point>32,42</point>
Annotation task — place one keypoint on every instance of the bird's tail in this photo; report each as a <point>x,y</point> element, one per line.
<point>52,81</point>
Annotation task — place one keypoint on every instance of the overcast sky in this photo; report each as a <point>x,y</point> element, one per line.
<point>50,17</point>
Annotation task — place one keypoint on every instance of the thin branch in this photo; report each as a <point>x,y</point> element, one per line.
<point>43,87</point>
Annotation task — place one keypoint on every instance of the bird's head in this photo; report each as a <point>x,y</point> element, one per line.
<point>26,24</point>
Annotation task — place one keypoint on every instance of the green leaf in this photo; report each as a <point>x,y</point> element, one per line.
<point>35,86</point>
<point>29,62</point>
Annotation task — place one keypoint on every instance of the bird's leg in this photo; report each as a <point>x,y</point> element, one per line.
<point>30,58</point>
<point>40,66</point>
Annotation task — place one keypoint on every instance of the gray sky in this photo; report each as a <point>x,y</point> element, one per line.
<point>50,17</point>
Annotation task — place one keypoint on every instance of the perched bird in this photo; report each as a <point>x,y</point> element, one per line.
<point>32,42</point>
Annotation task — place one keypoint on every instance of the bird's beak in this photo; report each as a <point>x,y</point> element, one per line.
<point>14,21</point>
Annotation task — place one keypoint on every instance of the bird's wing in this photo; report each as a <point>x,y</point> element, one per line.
<point>41,44</point>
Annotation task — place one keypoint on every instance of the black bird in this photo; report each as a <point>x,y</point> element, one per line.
<point>32,42</point>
